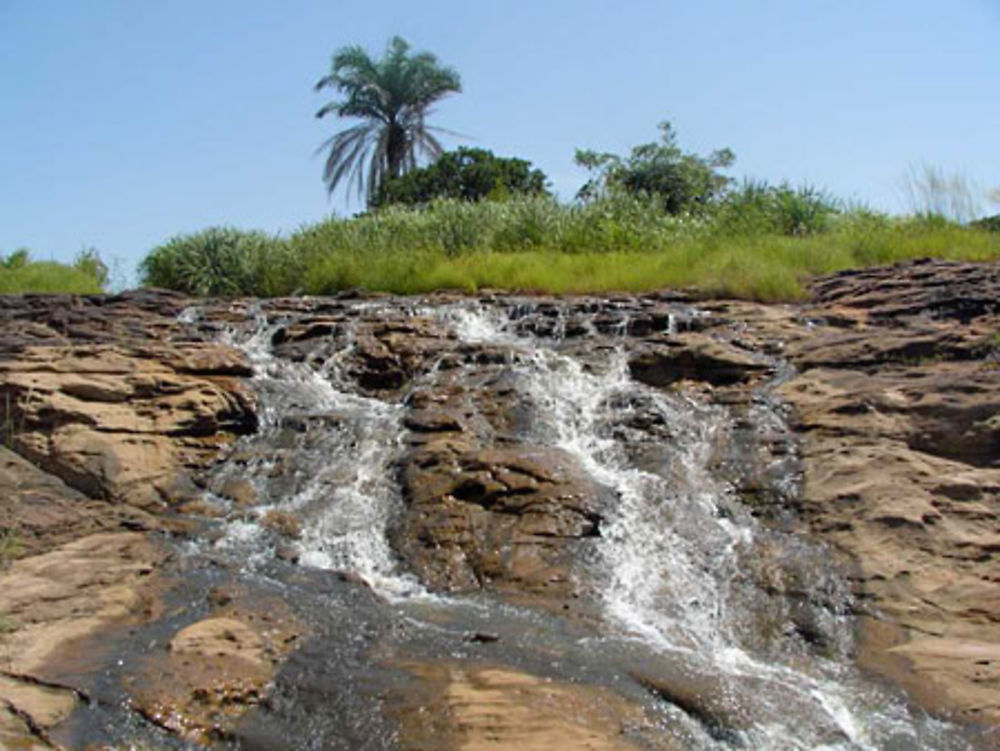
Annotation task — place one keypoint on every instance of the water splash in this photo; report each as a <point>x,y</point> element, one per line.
<point>669,559</point>
<point>335,461</point>
<point>669,555</point>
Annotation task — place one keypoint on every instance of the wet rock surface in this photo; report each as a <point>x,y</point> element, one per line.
<point>487,707</point>
<point>627,522</point>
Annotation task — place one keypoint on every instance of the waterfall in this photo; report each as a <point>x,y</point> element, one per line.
<point>669,564</point>
<point>340,447</point>
<point>669,555</point>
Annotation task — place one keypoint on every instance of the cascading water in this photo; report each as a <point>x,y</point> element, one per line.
<point>669,564</point>
<point>669,556</point>
<point>341,446</point>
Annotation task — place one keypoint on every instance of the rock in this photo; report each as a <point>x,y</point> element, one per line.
<point>284,523</point>
<point>897,414</point>
<point>694,357</point>
<point>495,707</point>
<point>39,512</point>
<point>239,490</point>
<point>958,291</point>
<point>384,351</point>
<point>220,637</point>
<point>496,518</point>
<point>57,598</point>
<point>869,348</point>
<point>482,637</point>
<point>117,426</point>
<point>729,706</point>
<point>28,711</point>
<point>74,591</point>
<point>433,421</point>
<point>214,670</point>
<point>220,596</point>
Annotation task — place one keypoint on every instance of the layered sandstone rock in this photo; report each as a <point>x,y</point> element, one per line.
<point>112,408</point>
<point>898,409</point>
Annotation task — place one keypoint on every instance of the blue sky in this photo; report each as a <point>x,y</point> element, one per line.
<point>126,122</point>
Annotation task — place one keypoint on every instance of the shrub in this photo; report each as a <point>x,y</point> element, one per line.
<point>681,182</point>
<point>465,175</point>
<point>761,242</point>
<point>988,223</point>
<point>19,274</point>
<point>89,262</point>
<point>757,207</point>
<point>220,261</point>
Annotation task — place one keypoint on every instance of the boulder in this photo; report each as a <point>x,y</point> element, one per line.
<point>507,519</point>
<point>214,670</point>
<point>121,425</point>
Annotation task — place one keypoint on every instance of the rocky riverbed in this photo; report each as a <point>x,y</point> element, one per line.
<point>505,521</point>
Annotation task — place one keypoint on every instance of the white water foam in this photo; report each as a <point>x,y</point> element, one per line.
<point>345,495</point>
<point>671,555</point>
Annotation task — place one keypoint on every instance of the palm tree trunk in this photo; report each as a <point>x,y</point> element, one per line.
<point>396,149</point>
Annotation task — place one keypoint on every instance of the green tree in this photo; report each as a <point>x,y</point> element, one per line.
<point>391,96</point>
<point>681,181</point>
<point>466,175</point>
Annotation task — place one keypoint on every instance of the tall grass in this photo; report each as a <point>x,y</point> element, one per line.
<point>19,275</point>
<point>763,243</point>
<point>222,261</point>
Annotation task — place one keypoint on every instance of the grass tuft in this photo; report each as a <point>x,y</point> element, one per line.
<point>763,244</point>
<point>47,277</point>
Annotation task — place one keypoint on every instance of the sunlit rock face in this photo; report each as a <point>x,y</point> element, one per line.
<point>504,522</point>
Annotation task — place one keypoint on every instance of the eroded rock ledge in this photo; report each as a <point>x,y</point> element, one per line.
<point>110,409</point>
<point>114,407</point>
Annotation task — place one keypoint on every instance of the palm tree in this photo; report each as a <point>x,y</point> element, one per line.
<point>391,95</point>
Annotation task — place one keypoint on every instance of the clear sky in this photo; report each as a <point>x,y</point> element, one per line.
<point>126,122</point>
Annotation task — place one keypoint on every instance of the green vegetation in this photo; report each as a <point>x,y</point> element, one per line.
<point>465,175</point>
<point>391,96</point>
<point>989,223</point>
<point>681,182</point>
<point>758,208</point>
<point>11,545</point>
<point>220,261</point>
<point>19,274</point>
<point>755,249</point>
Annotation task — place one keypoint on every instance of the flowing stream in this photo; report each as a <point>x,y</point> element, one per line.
<point>669,568</point>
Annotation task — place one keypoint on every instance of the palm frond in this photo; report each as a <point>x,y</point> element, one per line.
<point>392,95</point>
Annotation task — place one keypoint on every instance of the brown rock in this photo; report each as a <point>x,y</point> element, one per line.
<point>902,469</point>
<point>214,670</point>
<point>239,490</point>
<point>53,600</point>
<point>285,523</point>
<point>73,591</point>
<point>39,512</point>
<point>496,518</point>
<point>119,424</point>
<point>28,711</point>
<point>494,707</point>
<point>694,357</point>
